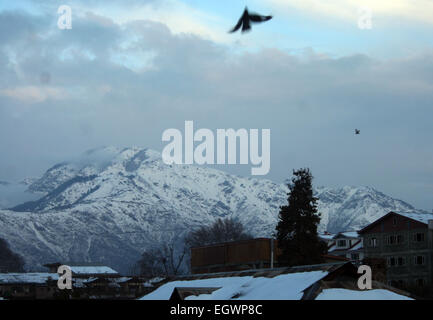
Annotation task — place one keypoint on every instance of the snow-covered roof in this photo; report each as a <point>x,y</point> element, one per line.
<point>345,294</point>
<point>421,217</point>
<point>121,279</point>
<point>326,236</point>
<point>88,280</point>
<point>92,270</point>
<point>282,287</point>
<point>82,282</point>
<point>347,234</point>
<point>27,277</point>
<point>79,283</point>
<point>417,216</point>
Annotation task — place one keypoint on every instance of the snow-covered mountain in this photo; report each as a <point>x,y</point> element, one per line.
<point>111,204</point>
<point>351,208</point>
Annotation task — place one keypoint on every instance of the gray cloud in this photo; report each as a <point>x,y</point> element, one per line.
<point>124,84</point>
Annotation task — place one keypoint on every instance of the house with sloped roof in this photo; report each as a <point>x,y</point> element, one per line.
<point>404,241</point>
<point>347,244</point>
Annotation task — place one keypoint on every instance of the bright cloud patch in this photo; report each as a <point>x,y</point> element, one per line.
<point>34,94</point>
<point>349,9</point>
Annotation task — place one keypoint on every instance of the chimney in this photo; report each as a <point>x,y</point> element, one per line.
<point>430,224</point>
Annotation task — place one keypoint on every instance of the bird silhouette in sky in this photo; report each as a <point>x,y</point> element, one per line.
<point>357,131</point>
<point>246,19</point>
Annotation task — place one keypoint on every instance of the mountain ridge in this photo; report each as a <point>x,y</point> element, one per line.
<point>111,204</point>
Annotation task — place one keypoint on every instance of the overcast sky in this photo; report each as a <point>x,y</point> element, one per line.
<point>128,70</point>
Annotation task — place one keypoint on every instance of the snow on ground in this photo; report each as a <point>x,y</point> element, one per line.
<point>344,294</point>
<point>283,287</point>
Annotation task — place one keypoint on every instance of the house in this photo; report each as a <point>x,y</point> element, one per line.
<point>237,255</point>
<point>28,285</point>
<point>259,253</point>
<point>405,242</point>
<point>322,281</point>
<point>347,244</point>
<point>111,288</point>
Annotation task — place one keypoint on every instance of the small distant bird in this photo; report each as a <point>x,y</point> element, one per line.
<point>357,131</point>
<point>247,18</point>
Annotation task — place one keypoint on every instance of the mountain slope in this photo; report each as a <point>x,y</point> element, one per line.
<point>111,204</point>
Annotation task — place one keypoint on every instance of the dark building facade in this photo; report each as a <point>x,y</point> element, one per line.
<point>259,253</point>
<point>238,255</point>
<point>405,243</point>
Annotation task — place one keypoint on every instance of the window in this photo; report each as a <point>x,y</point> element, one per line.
<point>394,239</point>
<point>399,238</point>
<point>396,261</point>
<point>341,243</point>
<point>400,261</point>
<point>419,260</point>
<point>420,282</point>
<point>394,221</point>
<point>419,237</point>
<point>373,242</point>
<point>390,239</point>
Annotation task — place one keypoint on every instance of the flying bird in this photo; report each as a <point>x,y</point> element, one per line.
<point>357,131</point>
<point>246,19</point>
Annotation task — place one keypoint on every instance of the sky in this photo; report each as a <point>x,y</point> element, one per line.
<point>128,70</point>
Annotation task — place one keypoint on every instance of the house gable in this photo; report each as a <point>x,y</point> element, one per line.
<point>393,222</point>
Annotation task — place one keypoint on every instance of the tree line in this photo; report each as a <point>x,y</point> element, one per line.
<point>296,233</point>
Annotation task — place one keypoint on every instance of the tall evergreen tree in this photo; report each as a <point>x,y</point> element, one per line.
<point>297,226</point>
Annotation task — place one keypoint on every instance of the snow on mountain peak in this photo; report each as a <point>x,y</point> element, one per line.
<point>109,204</point>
